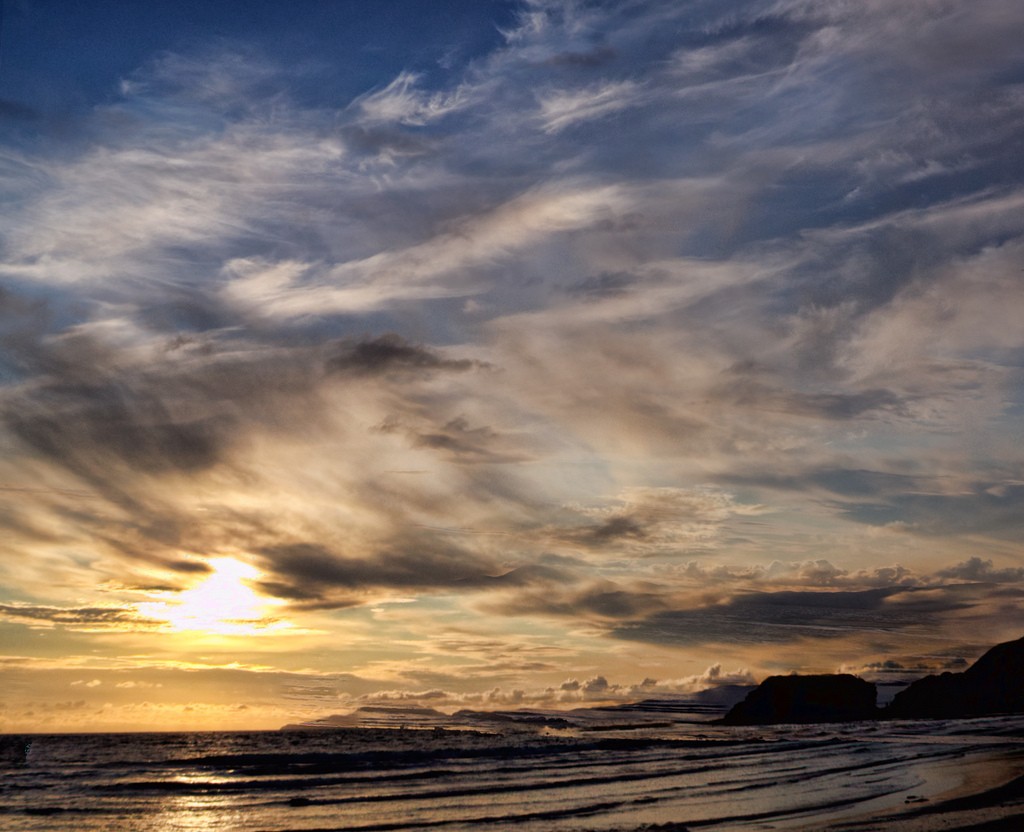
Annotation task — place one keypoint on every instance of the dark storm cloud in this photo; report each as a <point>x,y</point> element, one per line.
<point>461,442</point>
<point>616,528</point>
<point>390,353</point>
<point>607,603</point>
<point>187,567</point>
<point>457,436</point>
<point>320,597</point>
<point>808,573</point>
<point>581,598</point>
<point>417,562</point>
<point>613,532</point>
<point>648,522</point>
<point>77,618</point>
<point>783,617</point>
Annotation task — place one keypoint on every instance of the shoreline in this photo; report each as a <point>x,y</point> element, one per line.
<point>989,798</point>
<point>963,776</point>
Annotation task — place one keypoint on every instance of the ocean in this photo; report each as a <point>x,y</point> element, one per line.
<point>610,773</point>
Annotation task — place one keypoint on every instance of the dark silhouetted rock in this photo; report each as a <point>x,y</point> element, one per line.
<point>788,699</point>
<point>994,684</point>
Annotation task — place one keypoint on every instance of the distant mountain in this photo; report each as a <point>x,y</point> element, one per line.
<point>792,699</point>
<point>716,700</point>
<point>377,716</point>
<point>520,718</point>
<point>993,684</point>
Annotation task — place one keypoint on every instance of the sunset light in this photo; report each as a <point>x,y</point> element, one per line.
<point>502,354</point>
<point>512,389</point>
<point>223,603</point>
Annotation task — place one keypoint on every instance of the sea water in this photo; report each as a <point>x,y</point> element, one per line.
<point>601,778</point>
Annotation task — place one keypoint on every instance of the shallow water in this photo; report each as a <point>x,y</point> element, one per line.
<point>708,777</point>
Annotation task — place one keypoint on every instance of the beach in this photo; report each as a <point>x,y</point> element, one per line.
<point>607,772</point>
<point>985,802</point>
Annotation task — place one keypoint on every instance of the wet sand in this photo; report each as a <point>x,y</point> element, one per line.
<point>990,798</point>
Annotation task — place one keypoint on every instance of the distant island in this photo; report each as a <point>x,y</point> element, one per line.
<point>994,684</point>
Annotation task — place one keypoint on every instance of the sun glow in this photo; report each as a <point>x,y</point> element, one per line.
<point>222,604</point>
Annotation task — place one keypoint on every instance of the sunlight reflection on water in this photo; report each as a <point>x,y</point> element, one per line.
<point>617,780</point>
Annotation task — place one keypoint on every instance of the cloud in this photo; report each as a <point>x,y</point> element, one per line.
<point>790,616</point>
<point>461,442</point>
<point>401,102</point>
<point>976,569</point>
<point>588,600</point>
<point>81,619</point>
<point>839,406</point>
<point>218,77</point>
<point>391,353</point>
<point>562,109</point>
<point>128,416</point>
<point>450,264</point>
<point>592,690</point>
<point>591,58</point>
<point>117,416</point>
<point>155,195</point>
<point>891,671</point>
<point>660,519</point>
<point>712,677</point>
<point>815,573</point>
<point>419,561</point>
<point>977,511</point>
<point>691,324</point>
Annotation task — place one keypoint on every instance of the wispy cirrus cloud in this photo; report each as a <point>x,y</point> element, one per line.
<point>561,109</point>
<point>629,324</point>
<point>401,101</point>
<point>444,266</point>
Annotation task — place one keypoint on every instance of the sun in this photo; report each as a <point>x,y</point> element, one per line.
<point>224,603</point>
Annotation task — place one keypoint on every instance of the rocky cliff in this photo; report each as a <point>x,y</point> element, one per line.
<point>993,684</point>
<point>788,699</point>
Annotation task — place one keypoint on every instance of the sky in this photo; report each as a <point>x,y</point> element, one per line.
<point>478,354</point>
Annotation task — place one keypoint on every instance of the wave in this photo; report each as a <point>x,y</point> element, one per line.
<point>374,780</point>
